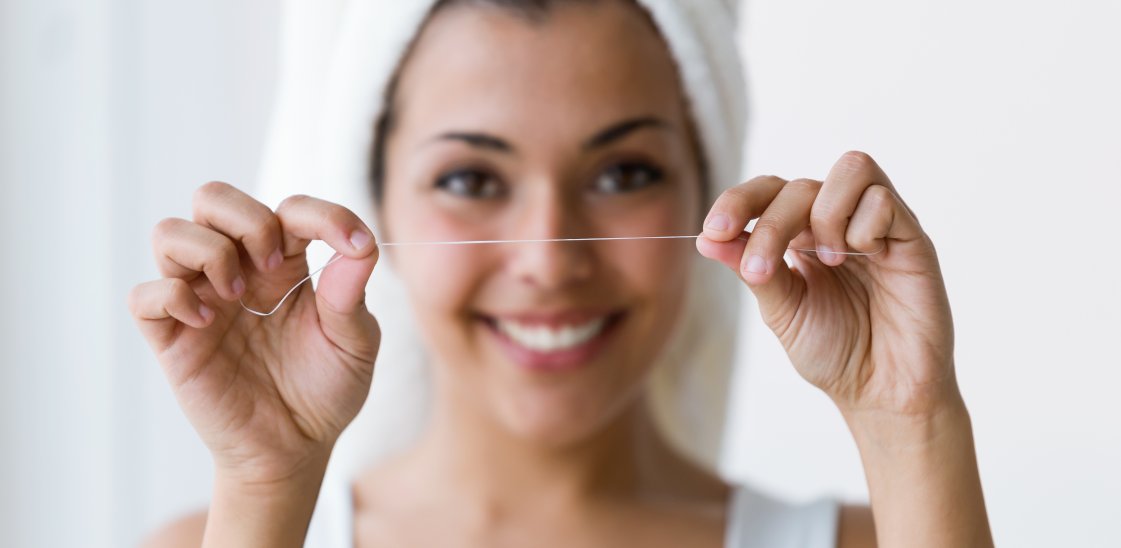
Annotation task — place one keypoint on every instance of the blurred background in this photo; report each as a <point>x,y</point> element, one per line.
<point>998,121</point>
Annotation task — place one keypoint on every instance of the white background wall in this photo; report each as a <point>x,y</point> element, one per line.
<point>998,121</point>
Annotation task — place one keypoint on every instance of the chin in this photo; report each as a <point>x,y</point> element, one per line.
<point>563,416</point>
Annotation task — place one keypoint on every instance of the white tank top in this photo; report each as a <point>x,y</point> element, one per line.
<point>755,520</point>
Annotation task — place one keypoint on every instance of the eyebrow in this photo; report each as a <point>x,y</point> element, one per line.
<point>624,128</point>
<point>607,136</point>
<point>477,140</point>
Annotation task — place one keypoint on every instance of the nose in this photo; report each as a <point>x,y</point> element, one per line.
<point>552,266</point>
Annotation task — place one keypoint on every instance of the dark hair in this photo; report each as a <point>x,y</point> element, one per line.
<point>534,11</point>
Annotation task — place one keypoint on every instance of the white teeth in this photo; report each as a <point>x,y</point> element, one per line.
<point>547,339</point>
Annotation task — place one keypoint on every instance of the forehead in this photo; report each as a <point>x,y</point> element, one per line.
<point>583,65</point>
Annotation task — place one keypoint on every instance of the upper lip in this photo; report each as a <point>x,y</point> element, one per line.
<point>556,318</point>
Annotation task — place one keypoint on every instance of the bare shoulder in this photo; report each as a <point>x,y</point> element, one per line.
<point>182,532</point>
<point>856,528</point>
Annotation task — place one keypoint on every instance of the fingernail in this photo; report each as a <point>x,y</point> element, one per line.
<point>205,312</point>
<point>718,221</point>
<point>826,254</point>
<point>756,265</point>
<point>359,239</point>
<point>274,260</point>
<point>238,286</point>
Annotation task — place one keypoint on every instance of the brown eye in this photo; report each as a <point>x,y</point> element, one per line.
<point>627,178</point>
<point>469,183</point>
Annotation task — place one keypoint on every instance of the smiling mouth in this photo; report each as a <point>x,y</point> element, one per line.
<point>553,344</point>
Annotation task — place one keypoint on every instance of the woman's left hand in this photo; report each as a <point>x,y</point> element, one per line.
<point>873,331</point>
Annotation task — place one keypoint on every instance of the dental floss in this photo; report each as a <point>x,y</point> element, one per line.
<point>477,242</point>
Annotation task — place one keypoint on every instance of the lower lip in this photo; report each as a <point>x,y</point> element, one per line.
<point>557,360</point>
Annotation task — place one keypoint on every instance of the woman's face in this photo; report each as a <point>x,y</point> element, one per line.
<point>571,126</point>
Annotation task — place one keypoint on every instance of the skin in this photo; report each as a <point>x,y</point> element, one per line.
<point>567,457</point>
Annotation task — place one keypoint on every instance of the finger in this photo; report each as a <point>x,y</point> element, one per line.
<point>231,212</point>
<point>737,206</point>
<point>804,240</point>
<point>303,218</point>
<point>784,219</point>
<point>158,306</point>
<point>881,216</point>
<point>731,252</point>
<point>762,265</point>
<point>183,249</point>
<point>726,253</point>
<point>341,302</point>
<point>848,178</point>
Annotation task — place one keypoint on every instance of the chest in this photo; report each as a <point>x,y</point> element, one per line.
<point>647,527</point>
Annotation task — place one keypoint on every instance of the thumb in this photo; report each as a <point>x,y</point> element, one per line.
<point>772,282</point>
<point>776,288</point>
<point>340,299</point>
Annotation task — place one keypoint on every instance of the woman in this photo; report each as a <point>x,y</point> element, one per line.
<point>541,120</point>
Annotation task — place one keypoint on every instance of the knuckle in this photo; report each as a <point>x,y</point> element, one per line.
<point>292,201</point>
<point>264,229</point>
<point>226,252</point>
<point>880,196</point>
<point>221,256</point>
<point>174,286</point>
<point>807,186</point>
<point>211,190</point>
<point>766,228</point>
<point>734,194</point>
<point>175,289</point>
<point>763,179</point>
<point>164,229</point>
<point>856,160</point>
<point>743,189</point>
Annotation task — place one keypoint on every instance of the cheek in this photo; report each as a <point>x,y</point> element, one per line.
<point>657,273</point>
<point>658,270</point>
<point>652,269</point>
<point>434,274</point>
<point>441,281</point>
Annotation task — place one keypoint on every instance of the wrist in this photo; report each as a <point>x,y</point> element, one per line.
<point>927,396</point>
<point>911,428</point>
<point>263,476</point>
<point>239,484</point>
<point>250,509</point>
<point>922,475</point>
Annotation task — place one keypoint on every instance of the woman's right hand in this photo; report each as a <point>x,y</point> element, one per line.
<point>268,395</point>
